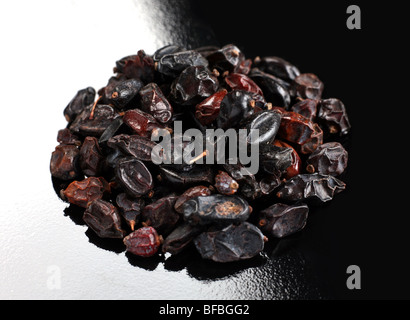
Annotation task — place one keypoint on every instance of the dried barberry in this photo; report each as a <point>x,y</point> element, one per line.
<point>274,89</point>
<point>193,85</point>
<point>228,58</point>
<point>133,145</point>
<point>134,177</point>
<point>275,159</point>
<point>294,168</point>
<point>141,122</point>
<point>173,64</point>
<point>208,110</point>
<point>236,106</point>
<point>180,237</point>
<point>216,209</point>
<point>281,220</point>
<point>104,219</point>
<point>198,174</point>
<point>154,102</point>
<point>112,139</point>
<point>83,192</point>
<point>333,113</point>
<point>295,128</point>
<point>124,94</point>
<point>161,214</point>
<point>277,67</point>
<point>307,108</point>
<point>130,209</point>
<point>65,136</point>
<point>63,163</point>
<point>189,194</point>
<point>91,157</point>
<point>94,120</point>
<point>308,86</point>
<point>169,49</point>
<point>316,187</point>
<point>139,66</point>
<point>329,158</point>
<point>268,124</point>
<point>315,140</point>
<point>143,242</point>
<point>225,184</point>
<point>81,100</point>
<point>237,81</point>
<point>235,242</point>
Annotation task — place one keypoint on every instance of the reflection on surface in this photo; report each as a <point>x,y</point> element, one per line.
<point>173,22</point>
<point>282,271</point>
<point>75,48</point>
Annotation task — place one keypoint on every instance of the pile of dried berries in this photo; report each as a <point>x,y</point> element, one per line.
<point>104,153</point>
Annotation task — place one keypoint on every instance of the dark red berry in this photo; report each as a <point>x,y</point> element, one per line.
<point>143,242</point>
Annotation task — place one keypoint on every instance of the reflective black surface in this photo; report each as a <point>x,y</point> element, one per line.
<point>47,252</point>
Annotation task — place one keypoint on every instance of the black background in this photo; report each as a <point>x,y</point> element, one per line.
<point>364,225</point>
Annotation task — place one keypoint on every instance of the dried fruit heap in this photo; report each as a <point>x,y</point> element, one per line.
<point>104,162</point>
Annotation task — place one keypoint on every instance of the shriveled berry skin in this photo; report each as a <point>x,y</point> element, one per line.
<point>134,177</point>
<point>169,49</point>
<point>132,145</point>
<point>332,112</point>
<point>308,86</point>
<point>130,209</point>
<point>82,192</point>
<point>225,184</point>
<point>208,110</point>
<point>139,66</point>
<point>190,193</point>
<point>216,209</point>
<point>281,220</point>
<point>235,107</point>
<point>140,122</point>
<point>275,90</point>
<point>278,67</point>
<point>307,108</point>
<point>179,179</point>
<point>63,162</point>
<point>275,159</point>
<point>143,242</point>
<point>180,238</point>
<point>94,124</point>
<point>295,128</point>
<point>193,85</point>
<point>161,214</point>
<point>81,100</point>
<point>315,140</point>
<point>91,157</point>
<point>228,58</point>
<point>104,219</point>
<point>238,81</point>
<point>317,188</point>
<point>65,136</point>
<point>125,93</point>
<point>234,243</point>
<point>172,65</point>
<point>154,102</point>
<point>294,168</point>
<point>329,158</point>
